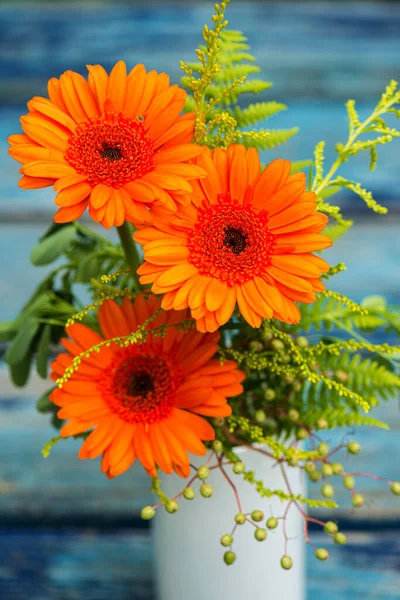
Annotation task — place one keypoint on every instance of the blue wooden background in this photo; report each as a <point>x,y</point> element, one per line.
<point>66,532</point>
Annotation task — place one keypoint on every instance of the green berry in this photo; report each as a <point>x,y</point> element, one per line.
<point>309,467</point>
<point>297,385</point>
<point>257,515</point>
<point>147,513</point>
<point>272,523</point>
<point>322,554</point>
<point>240,519</point>
<point>395,488</point>
<point>286,562</point>
<point>206,490</point>
<point>314,476</point>
<point>229,557</point>
<point>260,416</point>
<point>293,461</point>
<point>288,380</point>
<point>277,345</point>
<point>323,449</point>
<point>260,534</point>
<point>293,415</point>
<point>269,394</point>
<point>302,434</point>
<point>203,472</point>
<point>267,336</point>
<point>327,470</point>
<point>217,446</point>
<point>218,421</point>
<point>339,538</point>
<point>285,358</point>
<point>341,376</point>
<point>238,467</point>
<point>255,346</point>
<point>353,447</point>
<point>348,482</point>
<point>302,342</point>
<point>171,507</point>
<point>331,528</point>
<point>327,490</point>
<point>188,493</point>
<point>357,500</point>
<point>227,540</point>
<point>337,468</point>
<point>322,424</point>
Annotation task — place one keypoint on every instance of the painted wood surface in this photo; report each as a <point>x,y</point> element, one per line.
<point>75,565</point>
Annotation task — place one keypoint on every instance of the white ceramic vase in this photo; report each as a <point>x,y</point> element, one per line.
<point>188,554</point>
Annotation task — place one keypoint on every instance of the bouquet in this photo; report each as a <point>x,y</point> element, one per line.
<point>209,325</point>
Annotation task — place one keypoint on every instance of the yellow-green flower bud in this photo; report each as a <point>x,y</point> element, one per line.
<point>348,482</point>
<point>327,470</point>
<point>395,488</point>
<point>353,447</point>
<point>188,493</point>
<point>171,507</point>
<point>238,467</point>
<point>257,515</point>
<point>323,449</point>
<point>229,557</point>
<point>227,540</point>
<point>327,490</point>
<point>322,554</point>
<point>203,472</point>
<point>339,538</point>
<point>272,523</point>
<point>331,528</point>
<point>240,519</point>
<point>206,490</point>
<point>357,500</point>
<point>260,534</point>
<point>337,468</point>
<point>147,513</point>
<point>286,562</point>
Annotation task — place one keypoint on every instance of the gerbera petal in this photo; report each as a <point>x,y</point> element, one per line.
<point>117,84</point>
<point>177,274</point>
<point>71,213</point>
<point>74,194</point>
<point>215,294</point>
<point>225,311</point>
<point>252,317</point>
<point>134,90</point>
<point>98,82</point>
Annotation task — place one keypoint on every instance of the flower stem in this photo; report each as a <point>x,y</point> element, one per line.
<point>130,250</point>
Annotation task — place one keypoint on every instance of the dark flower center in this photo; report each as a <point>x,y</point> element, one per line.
<point>110,153</point>
<point>141,384</point>
<point>235,240</point>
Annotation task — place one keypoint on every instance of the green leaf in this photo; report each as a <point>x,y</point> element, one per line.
<point>52,246</point>
<point>43,404</point>
<point>376,303</point>
<point>42,354</point>
<point>20,347</point>
<point>7,330</point>
<point>20,371</point>
<point>87,269</point>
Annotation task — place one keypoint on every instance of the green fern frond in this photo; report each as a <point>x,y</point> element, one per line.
<point>255,113</point>
<point>340,417</point>
<point>265,139</point>
<point>362,193</point>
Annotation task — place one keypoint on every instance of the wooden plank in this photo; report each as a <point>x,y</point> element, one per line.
<point>72,564</point>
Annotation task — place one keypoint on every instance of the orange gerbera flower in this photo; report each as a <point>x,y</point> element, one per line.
<point>143,400</point>
<point>114,143</point>
<point>246,239</point>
